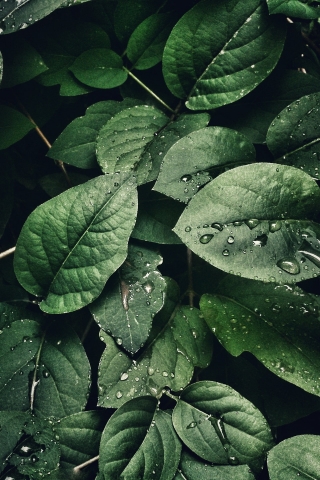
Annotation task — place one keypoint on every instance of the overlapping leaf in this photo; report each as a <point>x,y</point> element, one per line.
<point>278,324</point>
<point>175,346</point>
<point>294,135</point>
<point>185,166</point>
<point>237,43</point>
<point>294,8</point>
<point>131,299</point>
<point>139,442</point>
<point>295,457</point>
<point>71,245</point>
<point>251,221</point>
<point>13,125</point>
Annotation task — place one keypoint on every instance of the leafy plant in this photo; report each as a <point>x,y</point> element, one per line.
<point>159,192</point>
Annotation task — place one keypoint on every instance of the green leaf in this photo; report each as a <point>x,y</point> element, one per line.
<point>71,245</point>
<point>193,469</point>
<point>173,349</point>
<point>56,183</point>
<point>220,426</point>
<point>139,442</point>
<point>131,299</point>
<point>293,8</point>
<point>237,43</point>
<point>278,324</point>
<point>43,365</point>
<point>185,166</point>
<point>99,68</point>
<point>251,221</point>
<point>146,44</point>
<point>13,126</point>
<point>26,440</point>
<point>122,140</point>
<point>297,456</point>
<point>294,135</point>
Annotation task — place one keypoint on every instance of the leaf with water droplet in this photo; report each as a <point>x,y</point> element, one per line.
<point>283,333</point>
<point>226,425</point>
<point>270,205</point>
<point>189,160</point>
<point>122,308</point>
<point>293,9</point>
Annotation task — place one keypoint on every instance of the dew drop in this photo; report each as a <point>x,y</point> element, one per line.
<point>232,460</point>
<point>230,239</point>
<point>217,226</point>
<point>289,265</point>
<point>148,286</point>
<point>225,253</point>
<point>150,371</point>
<point>310,253</point>
<point>188,229</point>
<point>192,425</point>
<point>275,226</point>
<point>119,341</point>
<point>124,376</point>
<point>45,374</point>
<point>205,238</point>
<point>260,241</point>
<point>119,394</point>
<point>252,223</point>
<point>186,178</point>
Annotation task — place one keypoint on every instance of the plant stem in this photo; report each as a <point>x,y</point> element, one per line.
<point>7,252</point>
<point>143,85</point>
<point>85,464</point>
<point>190,277</point>
<point>173,397</point>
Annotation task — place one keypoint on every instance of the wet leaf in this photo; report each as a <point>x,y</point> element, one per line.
<point>81,248</point>
<point>251,221</point>
<point>293,8</point>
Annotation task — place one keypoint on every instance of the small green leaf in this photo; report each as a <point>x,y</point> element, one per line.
<point>185,166</point>
<point>131,299</point>
<point>295,457</point>
<point>278,324</point>
<point>237,43</point>
<point>294,135</point>
<point>99,68</point>
<point>13,126</point>
<point>220,426</point>
<point>146,44</point>
<point>70,245</point>
<point>139,442</point>
<point>251,221</point>
<point>293,8</point>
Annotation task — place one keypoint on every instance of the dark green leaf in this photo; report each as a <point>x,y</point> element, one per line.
<point>131,299</point>
<point>237,43</point>
<point>278,324</point>
<point>56,183</point>
<point>220,426</point>
<point>13,126</point>
<point>99,68</point>
<point>185,166</point>
<point>294,135</point>
<point>139,442</point>
<point>295,457</point>
<point>251,221</point>
<point>146,44</point>
<point>71,245</point>
<point>293,8</point>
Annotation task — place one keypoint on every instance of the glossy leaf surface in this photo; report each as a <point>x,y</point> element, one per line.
<point>294,8</point>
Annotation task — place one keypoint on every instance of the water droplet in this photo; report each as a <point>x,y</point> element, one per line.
<point>124,376</point>
<point>310,253</point>
<point>34,459</point>
<point>119,341</point>
<point>165,374</point>
<point>192,425</point>
<point>289,265</point>
<point>205,238</point>
<point>260,241</point>
<point>276,308</point>
<point>252,223</point>
<point>186,178</point>
<point>274,226</point>
<point>232,460</point>
<point>150,371</point>
<point>148,286</point>
<point>225,252</point>
<point>188,229</point>
<point>217,226</point>
<point>230,239</point>
<point>119,394</point>
<point>45,374</point>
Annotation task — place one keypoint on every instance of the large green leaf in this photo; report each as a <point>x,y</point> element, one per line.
<point>139,442</point>
<point>71,245</point>
<point>178,341</point>
<point>221,426</point>
<point>185,166</point>
<point>131,299</point>
<point>294,135</point>
<point>13,126</point>
<point>295,457</point>
<point>237,43</point>
<point>276,323</point>
<point>293,8</point>
<point>43,365</point>
<point>251,221</point>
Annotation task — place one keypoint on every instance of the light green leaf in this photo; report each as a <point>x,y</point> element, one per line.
<point>296,456</point>
<point>293,8</point>
<point>13,126</point>
<point>185,166</point>
<point>294,135</point>
<point>278,324</point>
<point>174,347</point>
<point>122,140</point>
<point>43,366</point>
<point>146,44</point>
<point>70,245</point>
<point>237,43</point>
<point>139,442</point>
<point>220,426</point>
<point>131,298</point>
<point>251,221</point>
<point>193,469</point>
<point>26,440</point>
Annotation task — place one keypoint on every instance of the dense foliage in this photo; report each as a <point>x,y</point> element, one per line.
<point>160,247</point>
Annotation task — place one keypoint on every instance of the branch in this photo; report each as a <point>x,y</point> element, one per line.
<point>7,252</point>
<point>85,464</point>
